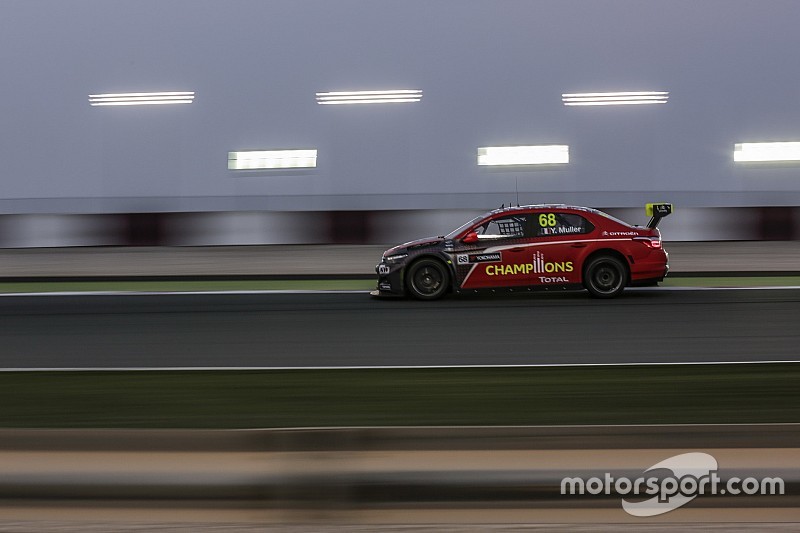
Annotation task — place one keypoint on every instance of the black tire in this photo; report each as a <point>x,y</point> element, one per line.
<point>427,279</point>
<point>605,276</point>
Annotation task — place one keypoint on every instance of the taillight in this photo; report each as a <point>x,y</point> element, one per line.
<point>650,242</point>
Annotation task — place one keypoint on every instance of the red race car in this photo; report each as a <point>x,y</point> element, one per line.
<point>527,248</point>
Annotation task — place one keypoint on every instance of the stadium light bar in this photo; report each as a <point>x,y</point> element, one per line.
<point>369,97</point>
<point>766,151</point>
<point>128,99</point>
<point>615,98</point>
<point>272,159</point>
<point>550,154</point>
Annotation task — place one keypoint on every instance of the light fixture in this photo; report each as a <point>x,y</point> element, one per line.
<point>766,151</point>
<point>369,97</point>
<point>272,159</point>
<point>128,99</point>
<point>616,98</point>
<point>548,154</point>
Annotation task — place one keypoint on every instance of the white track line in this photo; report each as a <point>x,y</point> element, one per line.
<point>166,293</point>
<point>317,291</point>
<point>390,367</point>
<point>764,288</point>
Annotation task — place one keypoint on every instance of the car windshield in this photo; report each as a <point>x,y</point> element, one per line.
<point>455,232</point>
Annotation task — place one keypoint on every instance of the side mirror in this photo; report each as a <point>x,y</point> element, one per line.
<point>470,237</point>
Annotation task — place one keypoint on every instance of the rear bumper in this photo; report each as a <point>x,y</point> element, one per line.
<point>651,270</point>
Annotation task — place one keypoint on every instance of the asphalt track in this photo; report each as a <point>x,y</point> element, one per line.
<point>353,329</point>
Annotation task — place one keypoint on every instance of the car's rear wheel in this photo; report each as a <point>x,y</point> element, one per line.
<point>427,279</point>
<point>605,276</point>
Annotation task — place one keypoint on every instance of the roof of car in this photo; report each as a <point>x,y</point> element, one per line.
<point>542,206</point>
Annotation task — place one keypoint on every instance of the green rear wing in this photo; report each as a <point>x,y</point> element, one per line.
<point>656,212</point>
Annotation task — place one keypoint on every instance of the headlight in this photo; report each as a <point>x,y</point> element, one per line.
<point>396,257</point>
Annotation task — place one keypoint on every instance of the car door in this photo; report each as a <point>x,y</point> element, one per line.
<point>500,256</point>
<point>559,245</point>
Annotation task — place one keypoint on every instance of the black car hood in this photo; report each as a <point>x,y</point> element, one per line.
<point>413,245</point>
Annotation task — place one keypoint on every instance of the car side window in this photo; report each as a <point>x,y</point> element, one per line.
<point>515,226</point>
<point>554,223</point>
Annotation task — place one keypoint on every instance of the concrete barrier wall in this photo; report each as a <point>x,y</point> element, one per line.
<point>349,227</point>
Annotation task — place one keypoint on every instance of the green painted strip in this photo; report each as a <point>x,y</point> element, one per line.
<point>695,394</point>
<point>186,286</point>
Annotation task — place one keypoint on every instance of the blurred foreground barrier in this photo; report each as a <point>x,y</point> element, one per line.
<point>381,468</point>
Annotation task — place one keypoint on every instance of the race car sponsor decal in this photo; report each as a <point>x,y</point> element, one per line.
<point>539,265</point>
<point>508,270</point>
<point>545,267</point>
<point>542,266</point>
<point>556,279</point>
<point>620,233</point>
<point>383,269</point>
<point>491,257</point>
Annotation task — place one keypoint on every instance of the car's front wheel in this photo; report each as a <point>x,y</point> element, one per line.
<point>427,279</point>
<point>605,277</point>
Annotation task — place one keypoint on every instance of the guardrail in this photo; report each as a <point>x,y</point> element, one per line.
<point>379,468</point>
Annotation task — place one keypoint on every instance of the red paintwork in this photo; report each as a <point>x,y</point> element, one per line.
<point>557,259</point>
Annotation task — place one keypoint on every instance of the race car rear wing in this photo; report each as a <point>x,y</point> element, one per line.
<point>656,212</point>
